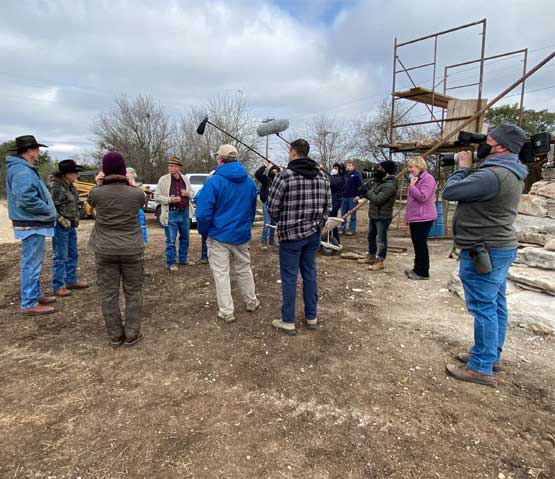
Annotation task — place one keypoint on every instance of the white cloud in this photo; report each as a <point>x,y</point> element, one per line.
<point>78,55</point>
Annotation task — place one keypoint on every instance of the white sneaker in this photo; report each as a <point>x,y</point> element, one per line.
<point>311,323</point>
<point>253,305</point>
<point>287,328</point>
<point>228,318</point>
<point>173,267</point>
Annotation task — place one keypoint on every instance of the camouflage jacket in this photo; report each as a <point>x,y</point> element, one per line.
<point>66,199</point>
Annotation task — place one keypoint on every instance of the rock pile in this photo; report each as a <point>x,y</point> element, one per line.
<point>531,284</point>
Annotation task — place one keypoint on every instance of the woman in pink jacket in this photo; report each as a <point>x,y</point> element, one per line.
<point>420,215</point>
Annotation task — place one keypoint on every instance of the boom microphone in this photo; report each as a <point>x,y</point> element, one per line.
<point>202,126</point>
<point>272,127</point>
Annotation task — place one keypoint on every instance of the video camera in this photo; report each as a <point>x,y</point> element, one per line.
<point>369,172</point>
<point>538,144</point>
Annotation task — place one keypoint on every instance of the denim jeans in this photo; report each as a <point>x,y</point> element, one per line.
<point>203,246</point>
<point>485,300</point>
<point>335,207</point>
<point>65,255</point>
<point>267,233</point>
<point>295,256</point>
<point>178,222</point>
<point>346,205</point>
<point>377,237</point>
<point>32,257</point>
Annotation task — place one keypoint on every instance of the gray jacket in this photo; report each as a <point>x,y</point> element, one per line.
<point>487,202</point>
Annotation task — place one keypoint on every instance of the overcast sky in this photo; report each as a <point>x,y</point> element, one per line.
<point>64,61</point>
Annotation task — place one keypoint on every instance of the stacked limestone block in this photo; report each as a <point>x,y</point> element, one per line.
<point>531,285</point>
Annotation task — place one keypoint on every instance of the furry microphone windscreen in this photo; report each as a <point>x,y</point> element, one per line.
<point>271,127</point>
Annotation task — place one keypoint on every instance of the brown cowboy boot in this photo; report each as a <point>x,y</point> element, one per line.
<point>62,293</point>
<point>78,285</point>
<point>44,300</point>
<point>38,310</point>
<point>463,373</point>
<point>465,357</point>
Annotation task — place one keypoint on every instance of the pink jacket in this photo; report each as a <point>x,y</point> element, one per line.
<point>421,198</point>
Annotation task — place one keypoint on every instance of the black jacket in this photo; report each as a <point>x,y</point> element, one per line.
<point>265,178</point>
<point>337,185</point>
<point>381,196</point>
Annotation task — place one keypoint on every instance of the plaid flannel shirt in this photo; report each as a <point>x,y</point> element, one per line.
<point>299,205</point>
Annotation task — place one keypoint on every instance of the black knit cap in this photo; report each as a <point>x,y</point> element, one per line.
<point>389,167</point>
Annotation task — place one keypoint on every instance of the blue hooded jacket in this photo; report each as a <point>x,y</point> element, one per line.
<point>226,205</point>
<point>482,185</point>
<point>29,201</point>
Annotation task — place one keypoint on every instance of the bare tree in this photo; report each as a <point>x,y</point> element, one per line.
<point>329,140</point>
<point>230,112</point>
<point>141,131</point>
<point>372,132</point>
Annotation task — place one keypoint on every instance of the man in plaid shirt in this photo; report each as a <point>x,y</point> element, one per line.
<point>300,202</point>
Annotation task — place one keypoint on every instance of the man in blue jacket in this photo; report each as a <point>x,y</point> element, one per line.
<point>226,207</point>
<point>33,215</point>
<point>487,207</point>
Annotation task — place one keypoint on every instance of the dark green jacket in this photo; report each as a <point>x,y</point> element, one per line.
<point>66,199</point>
<point>381,198</point>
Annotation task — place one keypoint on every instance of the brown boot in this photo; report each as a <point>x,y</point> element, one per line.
<point>38,310</point>
<point>462,373</point>
<point>377,266</point>
<point>62,293</point>
<point>44,300</point>
<point>78,285</point>
<point>368,260</point>
<point>465,357</point>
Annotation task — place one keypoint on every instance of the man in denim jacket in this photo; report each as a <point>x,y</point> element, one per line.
<point>33,215</point>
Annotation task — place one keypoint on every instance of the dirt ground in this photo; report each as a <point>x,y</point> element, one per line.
<point>366,396</point>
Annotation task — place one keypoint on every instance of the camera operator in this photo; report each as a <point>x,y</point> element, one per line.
<point>381,191</point>
<point>483,229</point>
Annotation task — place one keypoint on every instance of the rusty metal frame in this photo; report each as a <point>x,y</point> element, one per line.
<point>403,69</point>
<point>524,53</point>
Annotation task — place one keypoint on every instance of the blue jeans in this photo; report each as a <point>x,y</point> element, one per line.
<point>485,300</point>
<point>346,205</point>
<point>295,256</point>
<point>267,233</point>
<point>64,261</point>
<point>203,247</point>
<point>335,207</point>
<point>32,257</point>
<point>178,221</point>
<point>377,229</point>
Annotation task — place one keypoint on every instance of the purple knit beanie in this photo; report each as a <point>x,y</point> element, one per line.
<point>113,164</point>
